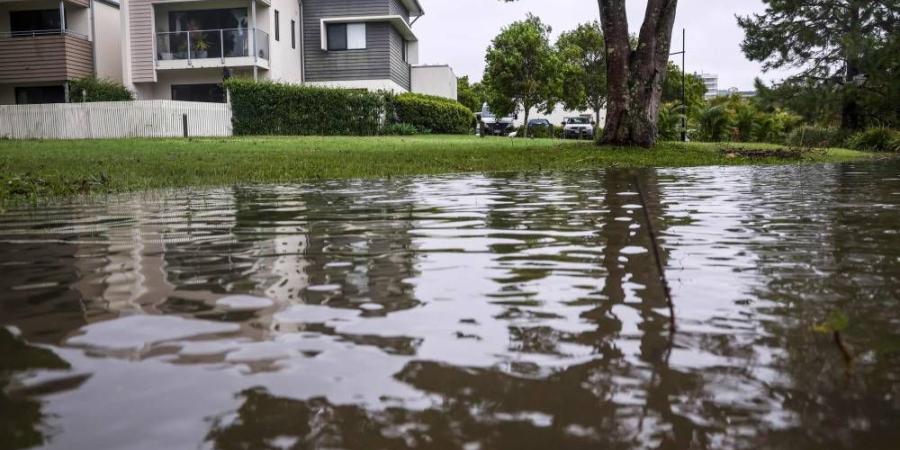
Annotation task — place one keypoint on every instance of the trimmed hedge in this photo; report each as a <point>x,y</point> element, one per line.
<point>267,108</point>
<point>431,114</point>
<point>92,89</point>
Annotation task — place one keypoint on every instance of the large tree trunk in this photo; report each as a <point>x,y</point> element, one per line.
<point>851,113</point>
<point>527,111</point>
<point>635,77</point>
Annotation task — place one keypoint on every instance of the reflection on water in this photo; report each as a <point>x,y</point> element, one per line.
<point>476,312</point>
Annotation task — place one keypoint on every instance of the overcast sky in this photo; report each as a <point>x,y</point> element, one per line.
<point>457,32</point>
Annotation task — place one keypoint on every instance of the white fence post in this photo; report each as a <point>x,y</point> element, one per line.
<point>108,120</point>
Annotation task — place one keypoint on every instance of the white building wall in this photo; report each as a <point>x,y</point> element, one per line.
<point>108,41</point>
<point>285,61</point>
<point>370,85</point>
<point>434,80</point>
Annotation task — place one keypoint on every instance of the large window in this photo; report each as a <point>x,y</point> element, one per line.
<point>346,36</point>
<point>33,95</point>
<point>23,23</point>
<point>211,93</point>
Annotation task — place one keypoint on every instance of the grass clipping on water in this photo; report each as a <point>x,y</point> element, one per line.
<point>32,170</point>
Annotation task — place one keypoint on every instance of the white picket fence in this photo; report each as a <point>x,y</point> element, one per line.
<point>106,120</point>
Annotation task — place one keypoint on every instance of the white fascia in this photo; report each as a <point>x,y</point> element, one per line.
<point>397,21</point>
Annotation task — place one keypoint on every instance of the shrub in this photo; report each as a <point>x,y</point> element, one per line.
<point>816,137</point>
<point>669,122</point>
<point>285,109</point>
<point>875,140</point>
<point>93,89</point>
<point>715,123</point>
<point>399,129</point>
<point>432,114</point>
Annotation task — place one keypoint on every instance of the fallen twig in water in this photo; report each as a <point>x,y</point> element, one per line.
<point>659,266</point>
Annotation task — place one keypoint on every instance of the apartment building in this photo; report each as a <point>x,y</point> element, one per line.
<point>185,49</point>
<point>44,44</point>
<point>711,81</point>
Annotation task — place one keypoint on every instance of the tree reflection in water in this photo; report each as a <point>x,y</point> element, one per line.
<point>505,311</point>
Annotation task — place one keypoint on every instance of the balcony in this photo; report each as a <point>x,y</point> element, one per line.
<point>44,56</point>
<point>226,47</point>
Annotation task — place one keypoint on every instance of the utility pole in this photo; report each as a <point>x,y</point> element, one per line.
<point>683,93</point>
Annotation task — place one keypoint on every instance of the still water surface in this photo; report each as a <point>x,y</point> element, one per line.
<point>471,312</point>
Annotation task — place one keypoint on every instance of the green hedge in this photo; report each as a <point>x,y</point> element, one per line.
<point>431,114</point>
<point>285,109</point>
<point>92,89</point>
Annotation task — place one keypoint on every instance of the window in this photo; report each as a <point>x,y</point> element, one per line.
<point>293,34</point>
<point>211,93</point>
<point>23,23</point>
<point>40,94</point>
<point>405,48</point>
<point>346,36</point>
<point>277,26</point>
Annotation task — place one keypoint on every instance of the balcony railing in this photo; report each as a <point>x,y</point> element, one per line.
<point>36,33</point>
<point>211,44</point>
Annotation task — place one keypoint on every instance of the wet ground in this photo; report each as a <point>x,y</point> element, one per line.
<point>470,311</point>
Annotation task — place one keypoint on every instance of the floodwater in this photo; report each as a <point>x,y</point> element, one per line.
<point>519,311</point>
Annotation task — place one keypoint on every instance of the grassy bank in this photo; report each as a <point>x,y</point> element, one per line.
<point>33,170</point>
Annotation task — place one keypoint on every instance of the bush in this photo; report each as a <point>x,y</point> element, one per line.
<point>816,137</point>
<point>92,89</point>
<point>432,114</point>
<point>399,129</point>
<point>285,109</point>
<point>875,140</point>
<point>669,122</point>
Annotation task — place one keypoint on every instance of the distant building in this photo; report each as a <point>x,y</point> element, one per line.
<point>735,91</point>
<point>711,81</point>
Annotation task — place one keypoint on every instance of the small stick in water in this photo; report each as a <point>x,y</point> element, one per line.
<point>659,266</point>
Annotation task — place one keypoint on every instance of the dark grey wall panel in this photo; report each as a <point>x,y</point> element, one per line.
<point>399,68</point>
<point>381,60</point>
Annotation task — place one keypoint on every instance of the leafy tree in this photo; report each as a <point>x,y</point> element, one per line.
<point>522,69</point>
<point>848,47</point>
<point>582,53</point>
<point>815,102</point>
<point>635,74</point>
<point>694,89</point>
<point>471,95</point>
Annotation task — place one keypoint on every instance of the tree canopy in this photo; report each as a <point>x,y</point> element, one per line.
<point>522,69</point>
<point>582,55</point>
<point>847,48</point>
<point>471,95</point>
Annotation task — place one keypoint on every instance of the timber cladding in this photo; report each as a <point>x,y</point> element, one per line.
<point>140,30</point>
<point>45,58</point>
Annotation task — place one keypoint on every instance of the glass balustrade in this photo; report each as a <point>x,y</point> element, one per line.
<point>206,44</point>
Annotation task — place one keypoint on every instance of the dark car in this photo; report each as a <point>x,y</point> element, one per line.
<point>539,123</point>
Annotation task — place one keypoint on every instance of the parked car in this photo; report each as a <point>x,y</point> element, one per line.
<point>539,123</point>
<point>491,124</point>
<point>578,128</point>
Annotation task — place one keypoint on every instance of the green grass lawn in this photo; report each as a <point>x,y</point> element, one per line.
<point>37,170</point>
